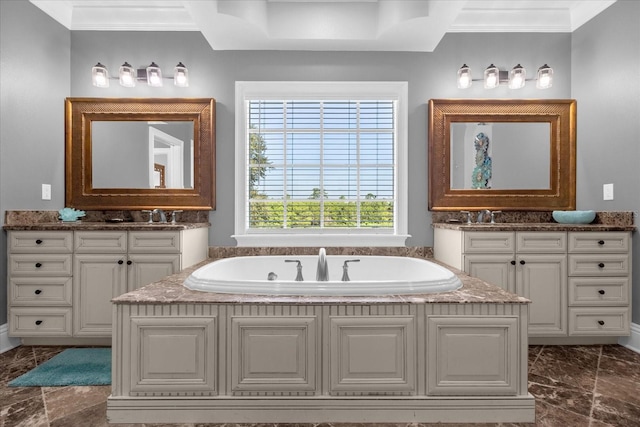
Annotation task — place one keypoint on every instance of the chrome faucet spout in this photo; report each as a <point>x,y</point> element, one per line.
<point>482,213</point>
<point>163,216</point>
<point>322,273</point>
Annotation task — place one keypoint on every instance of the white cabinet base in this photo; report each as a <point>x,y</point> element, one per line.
<point>319,409</point>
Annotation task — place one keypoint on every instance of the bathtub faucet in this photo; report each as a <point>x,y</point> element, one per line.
<point>322,273</point>
<point>299,277</point>
<point>345,269</point>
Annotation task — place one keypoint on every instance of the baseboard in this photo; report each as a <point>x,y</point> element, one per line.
<point>6,342</point>
<point>632,342</point>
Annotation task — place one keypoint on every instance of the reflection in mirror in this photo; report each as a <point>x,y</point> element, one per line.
<point>141,154</point>
<point>500,155</point>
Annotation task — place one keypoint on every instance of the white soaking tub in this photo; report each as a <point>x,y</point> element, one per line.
<point>368,275</point>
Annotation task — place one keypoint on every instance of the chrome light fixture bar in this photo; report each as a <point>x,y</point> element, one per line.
<point>129,76</point>
<point>515,79</point>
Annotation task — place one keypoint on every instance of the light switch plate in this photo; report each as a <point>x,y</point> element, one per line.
<point>46,191</point>
<point>607,192</point>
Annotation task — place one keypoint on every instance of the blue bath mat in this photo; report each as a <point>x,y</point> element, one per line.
<point>74,366</point>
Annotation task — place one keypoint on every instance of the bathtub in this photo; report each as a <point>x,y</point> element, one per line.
<point>370,275</point>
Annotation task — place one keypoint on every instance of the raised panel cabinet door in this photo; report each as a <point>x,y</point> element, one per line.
<point>497,269</point>
<point>543,279</point>
<point>96,280</point>
<point>173,356</point>
<point>275,355</point>
<point>372,355</point>
<point>145,269</point>
<point>453,346</point>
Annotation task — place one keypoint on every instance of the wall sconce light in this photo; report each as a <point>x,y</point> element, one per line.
<point>516,78</point>
<point>128,76</point>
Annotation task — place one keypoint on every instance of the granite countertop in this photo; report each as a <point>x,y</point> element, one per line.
<point>171,291</point>
<point>87,225</point>
<point>530,226</point>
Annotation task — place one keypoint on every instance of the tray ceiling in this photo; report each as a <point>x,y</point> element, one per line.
<point>363,25</point>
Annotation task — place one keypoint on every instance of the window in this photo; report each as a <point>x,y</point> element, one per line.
<point>321,163</point>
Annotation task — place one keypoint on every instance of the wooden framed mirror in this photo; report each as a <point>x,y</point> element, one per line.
<point>133,154</point>
<point>513,154</point>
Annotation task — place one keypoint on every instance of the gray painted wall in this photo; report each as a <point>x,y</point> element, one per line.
<point>31,155</point>
<point>605,54</point>
<point>31,114</point>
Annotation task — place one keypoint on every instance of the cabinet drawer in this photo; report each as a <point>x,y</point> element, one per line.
<point>40,242</point>
<point>599,321</point>
<point>489,242</point>
<point>598,291</point>
<point>541,242</point>
<point>606,242</point>
<point>30,321</point>
<point>40,291</point>
<point>40,265</point>
<point>110,242</point>
<point>154,242</point>
<point>599,265</point>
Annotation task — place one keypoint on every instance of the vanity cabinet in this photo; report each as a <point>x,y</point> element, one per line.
<point>578,281</point>
<point>531,264</point>
<point>62,282</point>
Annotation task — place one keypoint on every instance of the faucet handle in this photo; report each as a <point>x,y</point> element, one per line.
<point>298,267</point>
<point>174,214</point>
<point>150,215</point>
<point>469,221</point>
<point>493,216</point>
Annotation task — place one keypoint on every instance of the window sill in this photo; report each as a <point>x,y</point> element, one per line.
<point>312,240</point>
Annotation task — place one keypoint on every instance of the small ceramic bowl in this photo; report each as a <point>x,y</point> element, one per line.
<point>574,217</point>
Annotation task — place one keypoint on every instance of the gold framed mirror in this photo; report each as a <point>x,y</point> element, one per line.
<point>513,154</point>
<point>146,153</point>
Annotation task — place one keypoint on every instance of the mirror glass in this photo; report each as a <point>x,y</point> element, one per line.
<point>500,155</point>
<point>142,154</point>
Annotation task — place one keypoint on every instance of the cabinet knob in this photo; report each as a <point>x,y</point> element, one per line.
<point>601,265</point>
<point>38,322</point>
<point>513,262</point>
<point>38,264</point>
<point>129,262</point>
<point>601,242</point>
<point>522,262</point>
<point>601,322</point>
<point>601,292</point>
<point>120,262</point>
<point>38,242</point>
<point>38,291</point>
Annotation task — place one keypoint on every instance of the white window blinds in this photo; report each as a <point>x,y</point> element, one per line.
<point>320,164</point>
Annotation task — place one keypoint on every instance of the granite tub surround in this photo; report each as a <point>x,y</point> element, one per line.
<point>99,220</point>
<point>424,252</point>
<point>170,290</point>
<point>533,221</point>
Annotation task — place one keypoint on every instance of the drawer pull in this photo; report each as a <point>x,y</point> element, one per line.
<point>601,265</point>
<point>38,291</point>
<point>601,242</point>
<point>38,264</point>
<point>522,262</point>
<point>513,262</point>
<point>38,322</point>
<point>38,242</point>
<point>120,262</point>
<point>601,322</point>
<point>129,262</point>
<point>601,292</point>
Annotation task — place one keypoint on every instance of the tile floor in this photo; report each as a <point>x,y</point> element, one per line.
<point>590,386</point>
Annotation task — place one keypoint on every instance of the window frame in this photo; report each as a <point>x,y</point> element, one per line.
<point>293,90</point>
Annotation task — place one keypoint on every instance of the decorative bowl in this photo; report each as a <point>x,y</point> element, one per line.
<point>574,217</point>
